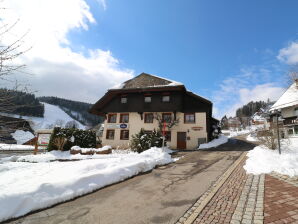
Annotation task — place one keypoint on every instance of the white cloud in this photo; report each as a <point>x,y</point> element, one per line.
<point>289,54</point>
<point>103,4</point>
<point>251,84</point>
<point>57,69</point>
<point>261,92</point>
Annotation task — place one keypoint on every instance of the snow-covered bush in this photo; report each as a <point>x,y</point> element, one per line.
<point>65,138</point>
<point>143,141</point>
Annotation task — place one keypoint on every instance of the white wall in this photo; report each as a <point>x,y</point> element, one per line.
<point>135,124</point>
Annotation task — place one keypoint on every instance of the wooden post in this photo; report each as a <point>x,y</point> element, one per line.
<point>36,145</point>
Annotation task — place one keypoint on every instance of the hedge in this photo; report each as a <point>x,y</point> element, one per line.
<point>82,138</point>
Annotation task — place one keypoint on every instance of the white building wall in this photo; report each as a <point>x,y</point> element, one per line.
<point>135,124</point>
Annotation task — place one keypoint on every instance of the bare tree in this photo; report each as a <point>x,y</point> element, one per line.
<point>11,48</point>
<point>170,123</point>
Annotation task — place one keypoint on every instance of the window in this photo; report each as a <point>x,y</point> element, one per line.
<point>296,111</point>
<point>112,118</point>
<point>110,134</point>
<point>166,117</point>
<point>124,134</point>
<point>168,136</point>
<point>165,98</point>
<point>147,99</point>
<point>296,130</point>
<point>123,99</point>
<point>189,118</point>
<point>148,118</point>
<point>290,131</point>
<point>124,118</point>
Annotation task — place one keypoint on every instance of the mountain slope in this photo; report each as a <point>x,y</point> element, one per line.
<point>77,110</point>
<point>53,115</point>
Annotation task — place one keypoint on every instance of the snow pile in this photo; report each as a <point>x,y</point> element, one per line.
<point>215,142</point>
<point>237,133</point>
<point>22,136</point>
<point>263,160</point>
<point>25,187</point>
<point>251,138</point>
<point>86,150</point>
<point>16,147</point>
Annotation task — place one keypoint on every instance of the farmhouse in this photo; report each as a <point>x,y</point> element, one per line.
<point>288,105</point>
<point>147,102</point>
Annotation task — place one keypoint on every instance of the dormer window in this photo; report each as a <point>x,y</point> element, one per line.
<point>147,99</point>
<point>123,99</point>
<point>165,98</point>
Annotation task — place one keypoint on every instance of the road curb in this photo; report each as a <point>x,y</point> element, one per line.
<point>191,215</point>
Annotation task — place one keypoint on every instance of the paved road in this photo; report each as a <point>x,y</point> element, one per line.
<point>161,196</point>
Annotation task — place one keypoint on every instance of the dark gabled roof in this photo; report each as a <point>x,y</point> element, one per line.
<point>143,83</point>
<point>198,97</point>
<point>145,80</point>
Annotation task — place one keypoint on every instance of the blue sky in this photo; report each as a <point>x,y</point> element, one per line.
<point>229,51</point>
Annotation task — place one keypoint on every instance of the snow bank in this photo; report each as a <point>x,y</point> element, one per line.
<point>22,136</point>
<point>25,187</point>
<point>16,147</point>
<point>215,142</point>
<point>237,133</point>
<point>85,150</point>
<point>251,138</point>
<point>264,160</point>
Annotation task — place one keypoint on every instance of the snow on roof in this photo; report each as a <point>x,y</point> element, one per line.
<point>288,99</point>
<point>145,80</point>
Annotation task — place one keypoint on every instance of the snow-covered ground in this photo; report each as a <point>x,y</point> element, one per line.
<point>22,136</point>
<point>263,160</point>
<point>252,138</point>
<point>16,147</point>
<point>52,114</point>
<point>215,142</point>
<point>25,187</point>
<point>249,129</point>
<point>234,133</point>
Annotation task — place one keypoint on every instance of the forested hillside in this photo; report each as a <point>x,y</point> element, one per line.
<point>75,109</point>
<point>249,109</point>
<point>21,103</point>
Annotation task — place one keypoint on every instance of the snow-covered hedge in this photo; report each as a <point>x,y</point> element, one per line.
<point>82,138</point>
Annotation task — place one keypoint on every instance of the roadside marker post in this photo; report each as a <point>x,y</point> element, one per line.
<point>163,135</point>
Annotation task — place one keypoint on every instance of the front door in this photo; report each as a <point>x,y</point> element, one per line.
<point>181,140</point>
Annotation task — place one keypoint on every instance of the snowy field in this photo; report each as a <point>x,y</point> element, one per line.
<point>263,160</point>
<point>215,142</point>
<point>27,186</point>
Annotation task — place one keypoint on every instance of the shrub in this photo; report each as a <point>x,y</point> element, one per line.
<point>143,141</point>
<point>65,138</point>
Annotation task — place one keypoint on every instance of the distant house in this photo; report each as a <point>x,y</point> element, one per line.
<point>288,105</point>
<point>145,102</point>
<point>234,123</point>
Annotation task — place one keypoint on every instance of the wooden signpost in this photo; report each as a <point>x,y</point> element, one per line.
<point>43,139</point>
